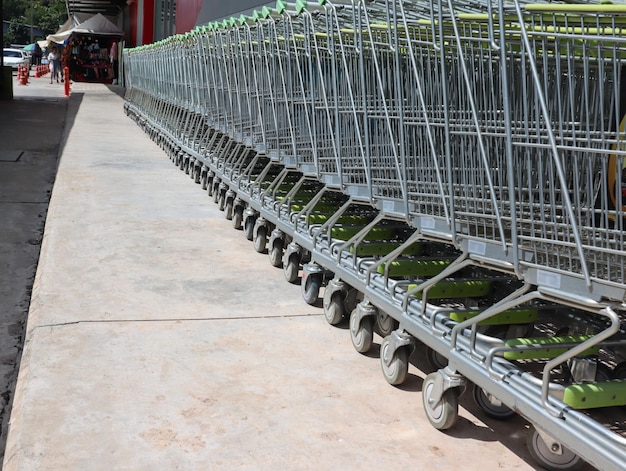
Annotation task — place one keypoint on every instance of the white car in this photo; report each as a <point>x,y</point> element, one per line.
<point>15,57</point>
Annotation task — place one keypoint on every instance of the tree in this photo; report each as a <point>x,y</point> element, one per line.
<point>46,15</point>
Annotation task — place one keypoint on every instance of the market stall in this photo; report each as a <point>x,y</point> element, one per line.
<point>88,49</point>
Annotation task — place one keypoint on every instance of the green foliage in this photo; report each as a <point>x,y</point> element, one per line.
<point>46,15</point>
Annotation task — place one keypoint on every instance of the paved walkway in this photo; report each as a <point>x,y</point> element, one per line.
<point>157,338</point>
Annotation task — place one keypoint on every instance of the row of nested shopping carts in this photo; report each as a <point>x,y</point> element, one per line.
<point>451,173</point>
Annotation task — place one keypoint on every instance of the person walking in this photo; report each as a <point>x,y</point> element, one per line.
<point>54,58</point>
<point>115,63</point>
<point>37,55</point>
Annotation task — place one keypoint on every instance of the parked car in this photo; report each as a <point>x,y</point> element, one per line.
<point>15,57</point>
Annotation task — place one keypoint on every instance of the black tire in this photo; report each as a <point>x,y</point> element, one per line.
<point>398,369</point>
<point>620,371</point>
<point>539,450</point>
<point>276,253</point>
<point>490,405</point>
<point>310,288</point>
<point>443,415</point>
<point>333,308</point>
<point>228,210</point>
<point>291,268</point>
<point>260,241</point>
<point>249,228</point>
<point>385,324</point>
<point>221,200</point>
<point>203,181</point>
<point>237,217</point>
<point>361,334</point>
<point>209,186</point>
<point>436,360</point>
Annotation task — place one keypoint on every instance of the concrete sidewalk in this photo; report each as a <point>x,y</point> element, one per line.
<point>158,338</point>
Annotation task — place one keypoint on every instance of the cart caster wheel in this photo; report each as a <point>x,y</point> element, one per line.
<point>196,175</point>
<point>491,406</point>
<point>228,210</point>
<point>276,253</point>
<point>435,359</point>
<point>260,241</point>
<point>204,182</point>
<point>310,288</point>
<point>237,217</point>
<point>291,267</point>
<point>620,371</point>
<point>551,461</point>
<point>362,335</point>
<point>216,192</point>
<point>249,229</point>
<point>385,324</point>
<point>398,369</point>
<point>333,308</point>
<point>444,414</point>
<point>221,201</point>
<point>209,187</point>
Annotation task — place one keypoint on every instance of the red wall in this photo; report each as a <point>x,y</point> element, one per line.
<point>187,14</point>
<point>147,35</point>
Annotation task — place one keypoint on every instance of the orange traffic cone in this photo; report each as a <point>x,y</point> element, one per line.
<point>25,74</point>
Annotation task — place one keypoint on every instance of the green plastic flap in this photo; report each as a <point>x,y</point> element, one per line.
<point>512,316</point>
<point>551,347</point>
<point>243,19</point>
<point>414,268</point>
<point>594,395</point>
<point>281,6</point>
<point>300,6</point>
<point>266,12</point>
<point>322,2</point>
<point>455,289</point>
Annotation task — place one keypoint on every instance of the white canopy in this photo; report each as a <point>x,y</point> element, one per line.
<point>97,24</point>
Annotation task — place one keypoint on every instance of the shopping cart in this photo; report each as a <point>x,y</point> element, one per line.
<point>451,170</point>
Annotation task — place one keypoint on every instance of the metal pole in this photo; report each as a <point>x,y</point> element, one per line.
<point>32,16</point>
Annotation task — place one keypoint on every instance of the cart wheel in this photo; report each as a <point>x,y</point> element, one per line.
<point>276,253</point>
<point>249,228</point>
<point>311,288</point>
<point>204,181</point>
<point>221,200</point>
<point>196,174</point>
<point>291,267</point>
<point>333,309</point>
<point>216,191</point>
<point>603,373</point>
<point>385,324</point>
<point>209,186</point>
<point>228,209</point>
<point>237,217</point>
<point>435,359</point>
<point>551,461</point>
<point>620,371</point>
<point>362,335</point>
<point>491,406</point>
<point>398,369</point>
<point>260,241</point>
<point>443,415</point>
